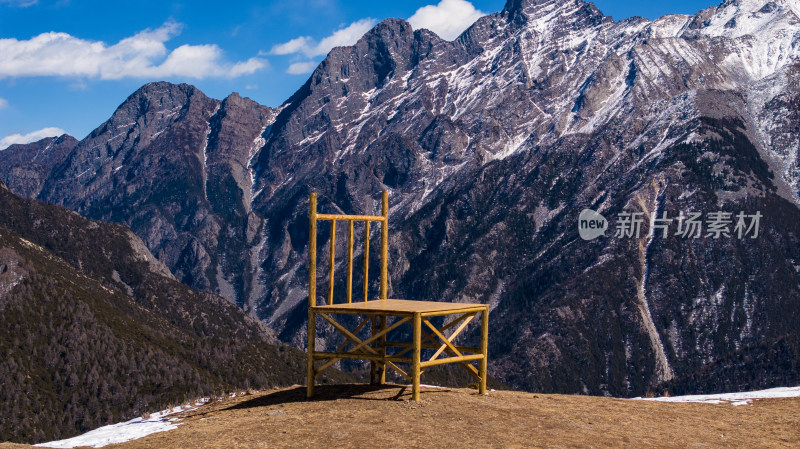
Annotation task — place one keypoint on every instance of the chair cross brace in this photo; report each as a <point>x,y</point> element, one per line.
<point>433,338</point>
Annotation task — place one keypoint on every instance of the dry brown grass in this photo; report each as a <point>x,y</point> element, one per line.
<point>364,417</point>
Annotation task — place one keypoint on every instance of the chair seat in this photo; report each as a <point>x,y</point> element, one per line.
<point>402,307</point>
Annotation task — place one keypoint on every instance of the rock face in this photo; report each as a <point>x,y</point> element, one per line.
<point>491,145</point>
<point>25,166</point>
<point>173,165</point>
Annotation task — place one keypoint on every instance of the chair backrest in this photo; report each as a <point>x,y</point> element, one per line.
<point>333,218</point>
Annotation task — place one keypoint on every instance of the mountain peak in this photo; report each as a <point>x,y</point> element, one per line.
<point>522,5</point>
<point>757,8</point>
<point>153,98</point>
<point>162,90</point>
<point>534,7</point>
<point>573,14</point>
<point>158,86</point>
<point>776,23</point>
<point>389,30</point>
<point>758,5</point>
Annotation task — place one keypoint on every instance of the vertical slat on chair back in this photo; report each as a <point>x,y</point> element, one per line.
<point>312,250</point>
<point>333,218</point>
<point>384,243</point>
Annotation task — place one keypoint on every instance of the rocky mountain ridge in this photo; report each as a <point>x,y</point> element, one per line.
<point>491,145</point>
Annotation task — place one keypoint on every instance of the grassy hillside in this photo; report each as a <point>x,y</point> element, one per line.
<point>95,331</point>
<point>77,355</point>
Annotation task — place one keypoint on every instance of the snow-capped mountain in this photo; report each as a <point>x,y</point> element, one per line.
<point>491,145</point>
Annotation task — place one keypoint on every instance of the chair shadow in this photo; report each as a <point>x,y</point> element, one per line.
<point>332,393</point>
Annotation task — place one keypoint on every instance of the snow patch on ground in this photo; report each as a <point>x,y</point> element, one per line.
<point>744,398</point>
<point>125,431</point>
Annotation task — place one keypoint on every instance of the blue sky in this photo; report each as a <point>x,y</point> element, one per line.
<point>67,64</point>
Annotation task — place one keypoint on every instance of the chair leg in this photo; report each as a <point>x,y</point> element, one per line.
<point>484,349</point>
<point>373,365</point>
<point>415,359</point>
<point>377,371</point>
<point>312,336</point>
<point>382,340</point>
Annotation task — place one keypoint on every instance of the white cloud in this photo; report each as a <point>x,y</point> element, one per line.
<point>248,67</point>
<point>348,35</point>
<point>3,103</point>
<point>143,55</point>
<point>7,141</point>
<point>295,45</point>
<point>448,18</point>
<point>301,68</point>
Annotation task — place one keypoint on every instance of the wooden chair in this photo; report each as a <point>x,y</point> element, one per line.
<point>380,351</point>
